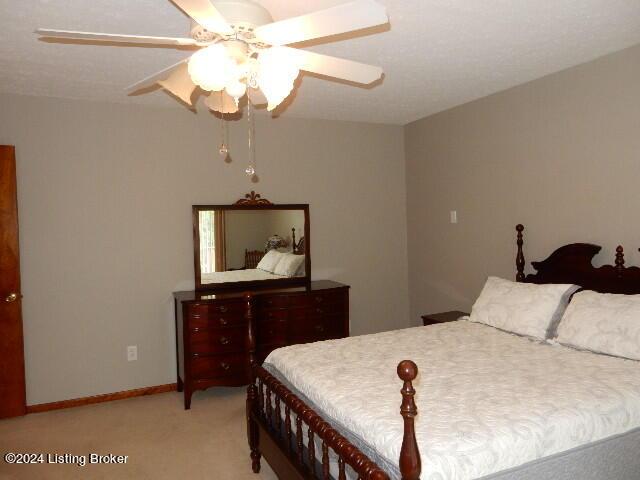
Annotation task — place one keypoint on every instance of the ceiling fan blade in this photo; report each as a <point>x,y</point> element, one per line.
<point>179,83</point>
<point>203,12</point>
<point>152,79</point>
<point>256,96</point>
<point>351,16</point>
<point>221,102</point>
<point>110,37</point>
<point>333,66</point>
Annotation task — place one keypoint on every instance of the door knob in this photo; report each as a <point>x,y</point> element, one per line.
<point>12,297</point>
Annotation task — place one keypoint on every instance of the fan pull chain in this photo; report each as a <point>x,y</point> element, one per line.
<point>251,168</point>
<point>224,148</point>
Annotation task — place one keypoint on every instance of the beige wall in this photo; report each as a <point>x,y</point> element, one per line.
<point>105,195</point>
<point>560,154</point>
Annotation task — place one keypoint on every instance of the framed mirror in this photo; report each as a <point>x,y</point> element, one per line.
<point>252,243</point>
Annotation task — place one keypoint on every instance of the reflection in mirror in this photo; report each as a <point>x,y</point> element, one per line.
<point>250,245</point>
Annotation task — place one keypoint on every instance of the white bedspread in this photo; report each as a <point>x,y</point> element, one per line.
<point>487,400</point>
<point>246,275</point>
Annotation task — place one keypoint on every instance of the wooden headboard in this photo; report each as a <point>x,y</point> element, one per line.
<point>572,264</point>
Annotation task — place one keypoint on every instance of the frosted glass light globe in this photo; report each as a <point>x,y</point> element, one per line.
<point>211,68</point>
<point>236,89</point>
<point>276,75</point>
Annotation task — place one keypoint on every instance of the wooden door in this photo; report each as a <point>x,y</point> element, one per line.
<point>12,385</point>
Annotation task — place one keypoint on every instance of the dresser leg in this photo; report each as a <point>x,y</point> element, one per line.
<point>180,384</point>
<point>187,399</point>
<point>255,460</point>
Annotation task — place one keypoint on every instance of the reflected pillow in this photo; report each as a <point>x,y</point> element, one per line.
<point>289,264</point>
<point>270,260</point>
<point>522,308</point>
<point>604,323</point>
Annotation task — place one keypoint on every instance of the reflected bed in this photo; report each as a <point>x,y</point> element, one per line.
<point>246,275</point>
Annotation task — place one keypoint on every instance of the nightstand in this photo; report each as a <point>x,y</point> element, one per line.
<point>443,317</point>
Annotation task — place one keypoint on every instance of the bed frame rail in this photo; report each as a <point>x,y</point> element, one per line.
<point>267,398</point>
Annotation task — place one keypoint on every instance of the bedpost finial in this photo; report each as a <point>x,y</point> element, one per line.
<point>407,370</point>
<point>619,260</point>
<point>410,464</point>
<point>519,227</point>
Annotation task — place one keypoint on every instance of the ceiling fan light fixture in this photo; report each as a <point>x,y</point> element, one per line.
<point>276,75</point>
<point>212,69</point>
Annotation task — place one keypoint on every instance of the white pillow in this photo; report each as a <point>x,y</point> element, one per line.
<point>270,260</point>
<point>522,308</point>
<point>289,264</point>
<point>603,323</point>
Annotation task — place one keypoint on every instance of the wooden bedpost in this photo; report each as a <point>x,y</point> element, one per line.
<point>252,390</point>
<point>519,255</point>
<point>293,240</point>
<point>410,465</point>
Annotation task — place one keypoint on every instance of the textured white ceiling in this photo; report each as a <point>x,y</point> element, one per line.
<point>436,53</point>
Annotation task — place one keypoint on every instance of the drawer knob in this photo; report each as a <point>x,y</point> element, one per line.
<point>318,310</point>
<point>225,366</point>
<point>223,308</point>
<point>225,341</point>
<point>319,328</point>
<point>224,321</point>
<point>319,299</point>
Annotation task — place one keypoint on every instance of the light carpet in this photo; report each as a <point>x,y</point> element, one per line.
<point>161,439</point>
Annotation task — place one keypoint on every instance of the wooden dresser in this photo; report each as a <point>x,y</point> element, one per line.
<point>213,329</point>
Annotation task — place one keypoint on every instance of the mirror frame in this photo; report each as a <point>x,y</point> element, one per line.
<point>252,201</point>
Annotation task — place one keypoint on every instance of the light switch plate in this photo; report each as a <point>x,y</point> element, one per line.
<point>132,353</point>
<point>453,214</point>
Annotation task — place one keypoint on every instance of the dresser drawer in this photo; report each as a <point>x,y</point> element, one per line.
<point>272,315</point>
<point>325,299</point>
<point>218,340</point>
<point>212,366</point>
<point>272,331</point>
<point>323,310</point>
<point>313,329</point>
<point>203,319</point>
<point>275,301</point>
<point>218,308</point>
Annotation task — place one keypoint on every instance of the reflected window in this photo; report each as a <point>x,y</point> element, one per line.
<point>212,241</point>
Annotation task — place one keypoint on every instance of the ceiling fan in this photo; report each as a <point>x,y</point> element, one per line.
<point>242,51</point>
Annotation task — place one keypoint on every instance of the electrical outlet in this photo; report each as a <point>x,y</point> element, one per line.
<point>453,215</point>
<point>132,353</point>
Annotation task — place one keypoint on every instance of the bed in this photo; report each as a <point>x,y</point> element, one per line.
<point>493,405</point>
